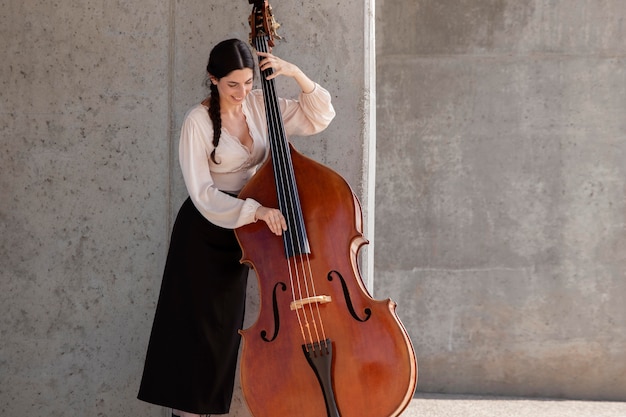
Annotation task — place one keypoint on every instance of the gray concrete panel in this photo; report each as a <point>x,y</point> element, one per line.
<point>92,96</point>
<point>500,193</point>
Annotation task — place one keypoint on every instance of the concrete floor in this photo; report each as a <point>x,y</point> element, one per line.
<point>431,405</point>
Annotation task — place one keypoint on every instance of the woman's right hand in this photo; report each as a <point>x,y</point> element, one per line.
<point>273,218</point>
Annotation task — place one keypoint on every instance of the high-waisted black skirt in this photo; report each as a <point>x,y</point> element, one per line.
<point>192,353</point>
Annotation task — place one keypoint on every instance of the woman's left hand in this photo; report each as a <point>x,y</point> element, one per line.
<point>282,67</point>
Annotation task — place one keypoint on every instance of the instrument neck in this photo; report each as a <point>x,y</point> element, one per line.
<point>295,238</point>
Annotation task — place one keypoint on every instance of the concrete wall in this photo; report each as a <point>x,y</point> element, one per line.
<point>501,192</point>
<point>92,96</point>
<point>500,184</point>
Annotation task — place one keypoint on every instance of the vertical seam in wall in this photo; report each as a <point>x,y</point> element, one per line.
<point>369,141</point>
<point>171,67</point>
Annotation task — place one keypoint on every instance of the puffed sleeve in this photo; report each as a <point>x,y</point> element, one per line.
<point>216,206</point>
<point>309,114</point>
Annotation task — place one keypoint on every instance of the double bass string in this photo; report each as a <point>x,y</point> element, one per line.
<point>295,247</point>
<point>274,123</point>
<point>280,165</point>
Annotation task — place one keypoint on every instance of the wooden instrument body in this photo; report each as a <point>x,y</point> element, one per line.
<point>374,370</point>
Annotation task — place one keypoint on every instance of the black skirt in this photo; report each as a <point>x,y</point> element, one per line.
<point>192,353</point>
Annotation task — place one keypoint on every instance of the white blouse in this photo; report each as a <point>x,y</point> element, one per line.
<point>205,180</point>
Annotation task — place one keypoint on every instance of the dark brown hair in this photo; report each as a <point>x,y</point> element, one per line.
<point>226,56</point>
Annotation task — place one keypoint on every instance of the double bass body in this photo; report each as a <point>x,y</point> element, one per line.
<point>373,369</point>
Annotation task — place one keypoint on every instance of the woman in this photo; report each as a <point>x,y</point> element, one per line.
<point>192,353</point>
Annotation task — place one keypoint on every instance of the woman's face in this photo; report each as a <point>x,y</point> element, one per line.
<point>234,87</point>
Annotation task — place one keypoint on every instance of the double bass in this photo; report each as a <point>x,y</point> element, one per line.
<point>321,345</point>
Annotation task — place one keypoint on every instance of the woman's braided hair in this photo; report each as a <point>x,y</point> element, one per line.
<point>226,56</point>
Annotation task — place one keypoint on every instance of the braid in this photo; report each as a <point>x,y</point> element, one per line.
<point>225,57</point>
<point>216,119</point>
